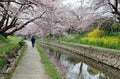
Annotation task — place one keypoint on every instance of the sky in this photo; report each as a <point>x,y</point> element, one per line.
<point>76,3</point>
<point>70,1</point>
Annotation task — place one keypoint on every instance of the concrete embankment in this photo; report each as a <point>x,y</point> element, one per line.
<point>107,56</point>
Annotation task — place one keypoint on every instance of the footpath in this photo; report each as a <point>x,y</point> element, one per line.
<point>31,66</point>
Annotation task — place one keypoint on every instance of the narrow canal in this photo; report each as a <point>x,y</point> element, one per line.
<point>73,66</point>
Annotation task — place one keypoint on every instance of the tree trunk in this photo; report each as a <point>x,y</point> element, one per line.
<point>3,32</point>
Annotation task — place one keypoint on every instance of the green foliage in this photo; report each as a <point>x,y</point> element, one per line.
<point>48,65</point>
<point>11,44</point>
<point>1,63</point>
<point>91,27</point>
<point>96,38</point>
<point>115,34</point>
<point>116,27</point>
<point>107,26</point>
<point>3,39</point>
<point>22,43</point>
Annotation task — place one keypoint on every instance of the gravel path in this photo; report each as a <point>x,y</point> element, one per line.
<point>31,66</point>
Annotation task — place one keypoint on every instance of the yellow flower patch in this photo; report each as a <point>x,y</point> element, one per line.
<point>96,33</point>
<point>111,42</point>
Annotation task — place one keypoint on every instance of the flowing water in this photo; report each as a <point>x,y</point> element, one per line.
<point>73,66</point>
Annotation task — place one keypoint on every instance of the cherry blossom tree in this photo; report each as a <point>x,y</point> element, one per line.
<point>57,16</point>
<point>11,15</point>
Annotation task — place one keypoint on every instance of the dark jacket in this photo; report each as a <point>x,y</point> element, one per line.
<point>33,39</point>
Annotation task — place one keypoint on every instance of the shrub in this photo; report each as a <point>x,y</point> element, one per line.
<point>22,43</point>
<point>107,26</point>
<point>92,27</point>
<point>96,33</point>
<point>116,27</point>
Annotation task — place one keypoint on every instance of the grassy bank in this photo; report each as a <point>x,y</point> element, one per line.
<point>8,46</point>
<point>52,72</point>
<point>3,39</point>
<point>94,38</point>
<point>10,43</point>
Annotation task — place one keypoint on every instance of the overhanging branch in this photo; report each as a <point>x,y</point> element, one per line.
<point>23,25</point>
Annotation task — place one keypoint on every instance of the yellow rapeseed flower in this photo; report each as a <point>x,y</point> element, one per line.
<point>96,33</point>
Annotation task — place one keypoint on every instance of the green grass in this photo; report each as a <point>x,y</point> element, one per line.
<point>116,34</point>
<point>11,44</point>
<point>3,39</point>
<point>1,63</point>
<point>76,38</point>
<point>52,72</point>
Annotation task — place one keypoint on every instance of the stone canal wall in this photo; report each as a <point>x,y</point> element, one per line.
<point>102,55</point>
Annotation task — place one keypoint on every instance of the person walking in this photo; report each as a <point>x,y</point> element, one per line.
<point>33,41</point>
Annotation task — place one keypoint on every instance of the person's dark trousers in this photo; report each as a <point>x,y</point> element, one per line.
<point>33,44</point>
